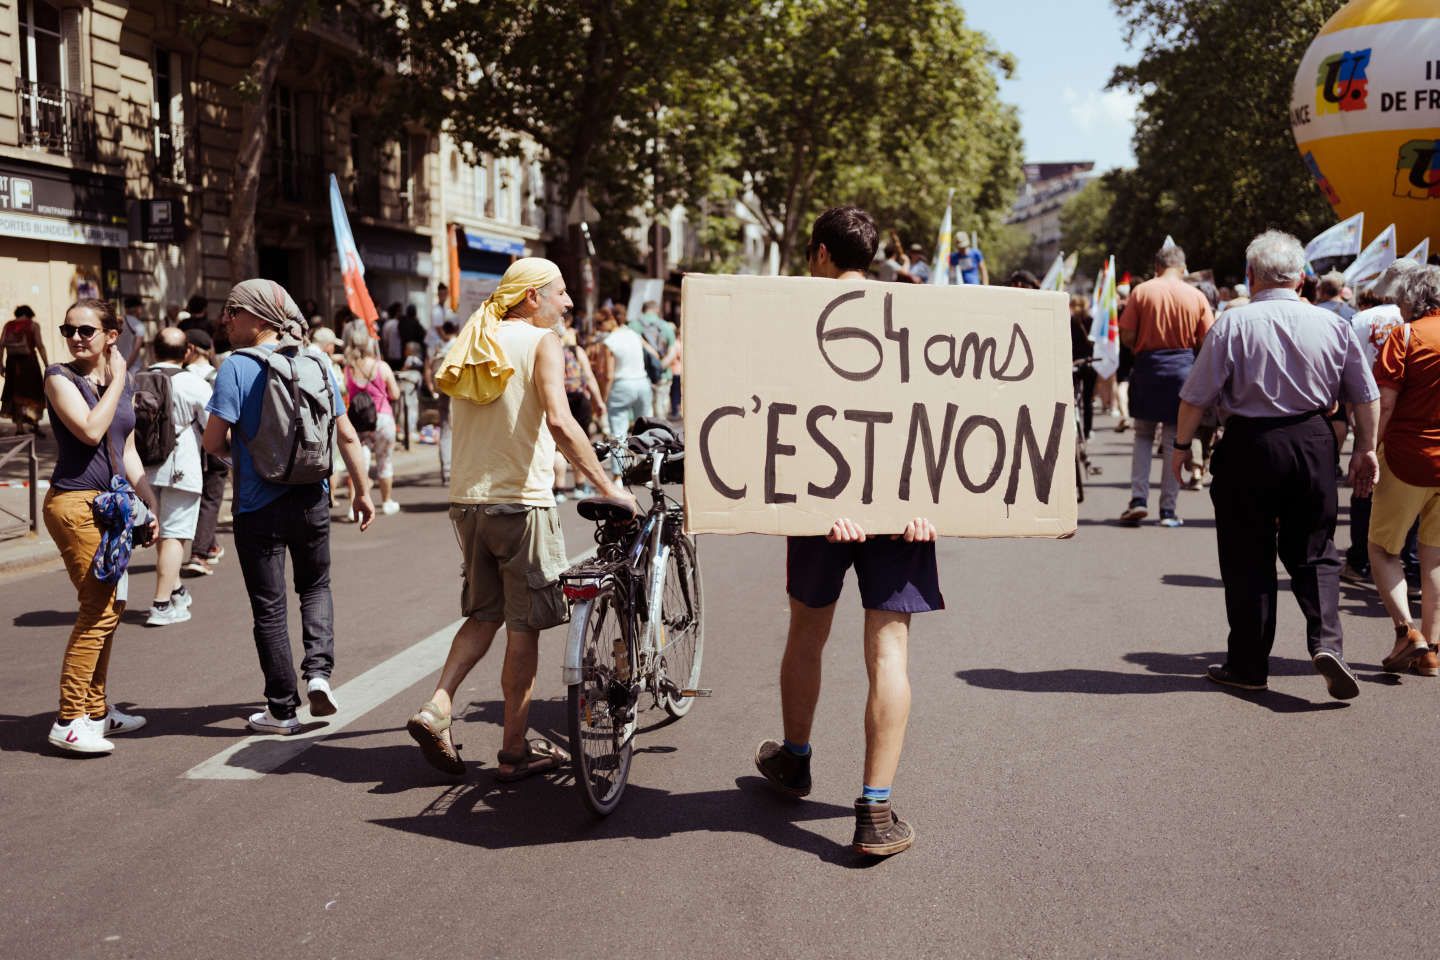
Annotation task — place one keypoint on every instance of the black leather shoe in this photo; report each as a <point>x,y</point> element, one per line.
<point>1339,679</point>
<point>1223,676</point>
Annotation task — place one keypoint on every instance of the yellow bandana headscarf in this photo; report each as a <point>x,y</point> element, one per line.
<point>475,367</point>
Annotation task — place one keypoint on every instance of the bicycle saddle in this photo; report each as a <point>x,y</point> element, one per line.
<point>596,509</point>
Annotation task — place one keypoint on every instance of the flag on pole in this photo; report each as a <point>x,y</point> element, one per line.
<point>1071,262</point>
<point>1169,242</point>
<point>1372,260</point>
<point>1421,253</point>
<point>940,272</point>
<point>453,262</point>
<point>1105,323</point>
<point>1341,240</point>
<point>1055,276</point>
<point>351,269</point>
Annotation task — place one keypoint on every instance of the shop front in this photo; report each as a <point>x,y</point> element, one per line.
<point>399,268</point>
<point>484,258</point>
<point>61,232</point>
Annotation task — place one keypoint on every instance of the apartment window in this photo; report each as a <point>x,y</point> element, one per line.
<point>167,109</point>
<point>42,46</point>
<point>54,114</point>
<point>484,204</point>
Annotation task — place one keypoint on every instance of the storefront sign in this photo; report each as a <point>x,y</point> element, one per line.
<point>162,221</point>
<point>62,206</point>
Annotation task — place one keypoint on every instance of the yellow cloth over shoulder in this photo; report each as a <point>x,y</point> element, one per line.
<point>475,367</point>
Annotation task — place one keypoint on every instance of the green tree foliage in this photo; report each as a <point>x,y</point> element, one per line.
<point>880,104</point>
<point>1215,161</point>
<point>1082,226</point>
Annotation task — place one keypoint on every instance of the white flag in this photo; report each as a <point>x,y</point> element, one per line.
<point>1421,253</point>
<point>1169,242</point>
<point>940,269</point>
<point>1341,240</point>
<point>1372,260</point>
<point>1055,276</point>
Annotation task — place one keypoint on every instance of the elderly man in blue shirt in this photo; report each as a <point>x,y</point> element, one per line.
<point>1275,368</point>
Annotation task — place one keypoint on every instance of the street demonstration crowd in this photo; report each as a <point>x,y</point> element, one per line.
<point>1253,392</point>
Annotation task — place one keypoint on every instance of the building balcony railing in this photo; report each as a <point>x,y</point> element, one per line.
<point>415,208</point>
<point>56,120</point>
<point>293,177</point>
<point>174,148</point>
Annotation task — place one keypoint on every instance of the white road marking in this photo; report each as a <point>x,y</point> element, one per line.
<point>255,756</point>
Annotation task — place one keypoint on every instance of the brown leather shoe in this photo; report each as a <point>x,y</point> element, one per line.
<point>1407,649</point>
<point>878,832</point>
<point>1427,664</point>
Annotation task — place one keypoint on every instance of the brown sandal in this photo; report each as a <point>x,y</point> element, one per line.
<point>430,728</point>
<point>539,756</point>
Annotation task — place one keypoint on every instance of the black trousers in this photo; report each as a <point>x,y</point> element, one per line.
<point>1274,491</point>
<point>211,494</point>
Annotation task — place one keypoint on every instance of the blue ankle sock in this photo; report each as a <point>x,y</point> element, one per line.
<point>798,749</point>
<point>871,794</point>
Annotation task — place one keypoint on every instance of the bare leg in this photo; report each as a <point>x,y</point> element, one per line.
<point>888,707</point>
<point>1389,575</point>
<point>169,554</point>
<point>472,641</point>
<point>385,484</point>
<point>1430,594</point>
<point>517,680</point>
<point>800,668</point>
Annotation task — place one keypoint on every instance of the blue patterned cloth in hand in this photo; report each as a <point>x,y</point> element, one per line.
<point>116,511</point>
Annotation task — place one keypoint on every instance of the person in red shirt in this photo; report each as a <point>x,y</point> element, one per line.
<point>1164,322</point>
<point>1407,371</point>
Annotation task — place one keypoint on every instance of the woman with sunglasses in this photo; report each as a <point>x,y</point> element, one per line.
<point>94,421</point>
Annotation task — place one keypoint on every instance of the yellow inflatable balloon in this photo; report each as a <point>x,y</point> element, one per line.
<point>1366,115</point>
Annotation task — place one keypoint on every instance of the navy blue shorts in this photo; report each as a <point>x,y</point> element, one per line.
<point>894,575</point>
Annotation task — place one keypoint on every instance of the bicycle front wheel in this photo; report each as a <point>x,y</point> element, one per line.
<point>682,616</point>
<point>601,716</point>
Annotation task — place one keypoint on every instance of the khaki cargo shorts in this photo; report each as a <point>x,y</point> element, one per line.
<point>512,556</point>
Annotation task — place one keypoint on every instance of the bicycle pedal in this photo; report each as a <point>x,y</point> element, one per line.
<point>687,694</point>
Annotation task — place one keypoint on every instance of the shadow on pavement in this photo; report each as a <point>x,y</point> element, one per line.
<point>27,734</point>
<point>1190,580</point>
<point>1166,673</point>
<point>537,812</point>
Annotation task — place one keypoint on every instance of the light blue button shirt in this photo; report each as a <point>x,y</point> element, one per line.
<point>1278,356</point>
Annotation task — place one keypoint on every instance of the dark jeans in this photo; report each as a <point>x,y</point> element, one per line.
<point>675,395</point>
<point>1275,485</point>
<point>1358,556</point>
<point>211,493</point>
<point>297,523</point>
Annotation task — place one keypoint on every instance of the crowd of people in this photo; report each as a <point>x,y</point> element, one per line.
<point>1267,380</point>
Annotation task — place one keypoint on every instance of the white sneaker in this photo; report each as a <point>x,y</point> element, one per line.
<point>322,698</point>
<point>266,722</point>
<point>118,721</point>
<point>389,507</point>
<point>81,735</point>
<point>164,616</point>
<point>181,597</point>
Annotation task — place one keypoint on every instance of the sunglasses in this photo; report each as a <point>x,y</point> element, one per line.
<point>68,330</point>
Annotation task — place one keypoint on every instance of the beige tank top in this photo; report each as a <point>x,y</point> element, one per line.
<point>502,452</point>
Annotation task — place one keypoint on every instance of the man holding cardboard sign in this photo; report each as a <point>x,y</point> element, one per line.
<point>874,396</point>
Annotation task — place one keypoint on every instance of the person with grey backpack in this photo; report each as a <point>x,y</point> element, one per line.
<point>278,410</point>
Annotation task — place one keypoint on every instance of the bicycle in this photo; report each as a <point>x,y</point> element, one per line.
<point>1083,467</point>
<point>637,624</point>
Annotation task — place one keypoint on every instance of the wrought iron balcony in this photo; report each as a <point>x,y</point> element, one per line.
<point>56,120</point>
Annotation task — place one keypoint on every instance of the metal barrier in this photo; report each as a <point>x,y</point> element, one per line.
<point>10,448</point>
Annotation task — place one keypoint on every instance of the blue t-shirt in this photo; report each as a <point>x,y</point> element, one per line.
<point>239,394</point>
<point>967,264</point>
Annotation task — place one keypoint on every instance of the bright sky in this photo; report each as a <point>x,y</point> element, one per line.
<point>1065,54</point>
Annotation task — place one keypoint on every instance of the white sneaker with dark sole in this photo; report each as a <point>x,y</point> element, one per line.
<point>266,722</point>
<point>322,698</point>
<point>81,735</point>
<point>118,721</point>
<point>167,615</point>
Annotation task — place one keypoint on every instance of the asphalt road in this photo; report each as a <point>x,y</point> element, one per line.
<point>1078,789</point>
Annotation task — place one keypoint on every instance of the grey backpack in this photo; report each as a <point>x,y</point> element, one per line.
<point>297,417</point>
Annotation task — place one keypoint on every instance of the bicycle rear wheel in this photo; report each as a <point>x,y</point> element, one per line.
<point>601,738</point>
<point>683,642</point>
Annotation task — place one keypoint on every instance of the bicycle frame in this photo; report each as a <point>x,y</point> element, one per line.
<point>645,549</point>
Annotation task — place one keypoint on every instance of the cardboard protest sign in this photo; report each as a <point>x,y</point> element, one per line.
<point>809,399</point>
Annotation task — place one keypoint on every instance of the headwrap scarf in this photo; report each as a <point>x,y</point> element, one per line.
<point>268,300</point>
<point>475,367</point>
